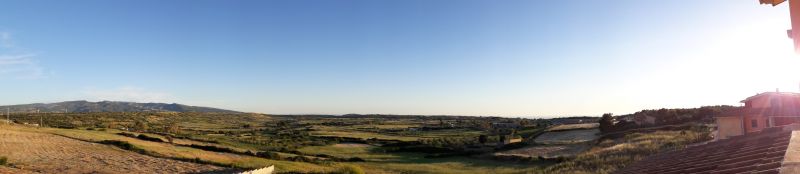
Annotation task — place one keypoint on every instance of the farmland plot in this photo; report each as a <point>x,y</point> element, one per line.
<point>574,126</point>
<point>568,137</point>
<point>40,152</point>
<point>546,151</point>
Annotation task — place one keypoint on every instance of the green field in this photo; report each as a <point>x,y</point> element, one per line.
<point>380,162</point>
<point>322,144</point>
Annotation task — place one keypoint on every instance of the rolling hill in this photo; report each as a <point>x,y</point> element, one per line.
<point>109,106</point>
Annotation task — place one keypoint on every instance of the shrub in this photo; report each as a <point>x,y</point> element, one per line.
<point>350,169</point>
<point>127,134</point>
<point>149,138</point>
<point>123,145</point>
<point>356,159</point>
<point>269,155</point>
<point>3,160</point>
<point>299,159</point>
<point>213,148</point>
<point>324,156</point>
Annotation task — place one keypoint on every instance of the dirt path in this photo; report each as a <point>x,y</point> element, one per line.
<point>46,153</point>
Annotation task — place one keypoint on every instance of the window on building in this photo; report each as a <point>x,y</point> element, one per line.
<point>754,123</point>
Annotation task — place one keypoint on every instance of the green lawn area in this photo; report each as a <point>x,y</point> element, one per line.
<point>381,162</point>
<point>362,135</point>
<point>350,131</point>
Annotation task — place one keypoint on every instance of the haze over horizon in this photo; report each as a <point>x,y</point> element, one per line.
<point>516,58</point>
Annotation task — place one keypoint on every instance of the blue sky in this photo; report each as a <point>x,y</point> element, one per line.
<point>507,58</point>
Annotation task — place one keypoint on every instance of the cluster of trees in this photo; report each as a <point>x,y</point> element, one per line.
<point>148,121</point>
<point>705,114</point>
<point>450,142</point>
<point>675,116</point>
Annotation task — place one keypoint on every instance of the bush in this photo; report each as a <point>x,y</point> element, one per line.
<point>127,134</point>
<point>3,160</point>
<point>124,145</point>
<point>121,144</point>
<point>299,159</point>
<point>324,156</point>
<point>350,169</point>
<point>269,155</point>
<point>356,159</point>
<point>149,138</point>
<point>213,148</point>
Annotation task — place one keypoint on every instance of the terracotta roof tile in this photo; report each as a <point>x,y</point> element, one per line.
<point>760,152</point>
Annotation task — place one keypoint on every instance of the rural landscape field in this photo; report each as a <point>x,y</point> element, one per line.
<point>228,141</point>
<point>399,86</point>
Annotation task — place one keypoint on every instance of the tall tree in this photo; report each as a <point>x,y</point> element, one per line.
<point>606,122</point>
<point>140,126</point>
<point>482,139</point>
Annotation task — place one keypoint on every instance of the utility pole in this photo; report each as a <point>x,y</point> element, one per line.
<point>8,120</point>
<point>40,118</point>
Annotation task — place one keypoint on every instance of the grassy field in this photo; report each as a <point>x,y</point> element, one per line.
<point>546,151</point>
<point>380,162</point>
<point>564,127</point>
<point>331,131</point>
<point>170,150</point>
<point>30,150</point>
<point>613,154</point>
<point>362,135</point>
<point>352,132</point>
<point>297,141</point>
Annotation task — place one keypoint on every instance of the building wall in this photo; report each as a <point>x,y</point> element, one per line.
<point>759,102</point>
<point>729,126</point>
<point>759,120</point>
<point>782,121</point>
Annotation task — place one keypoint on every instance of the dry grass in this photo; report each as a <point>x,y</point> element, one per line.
<point>611,155</point>
<point>546,151</point>
<point>30,150</point>
<point>574,126</point>
<point>9,170</point>
<point>172,151</point>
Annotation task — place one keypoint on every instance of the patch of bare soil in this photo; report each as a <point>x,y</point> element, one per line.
<point>46,153</point>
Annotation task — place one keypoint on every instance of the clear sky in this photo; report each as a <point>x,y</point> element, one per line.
<point>455,57</point>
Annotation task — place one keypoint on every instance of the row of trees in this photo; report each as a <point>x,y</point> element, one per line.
<point>705,114</point>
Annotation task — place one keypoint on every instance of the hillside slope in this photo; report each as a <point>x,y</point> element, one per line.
<point>109,106</point>
<point>31,152</point>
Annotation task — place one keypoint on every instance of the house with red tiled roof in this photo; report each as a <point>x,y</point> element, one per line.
<point>764,110</point>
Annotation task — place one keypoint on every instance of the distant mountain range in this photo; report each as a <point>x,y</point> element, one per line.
<point>109,106</point>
